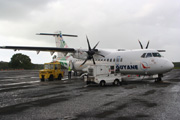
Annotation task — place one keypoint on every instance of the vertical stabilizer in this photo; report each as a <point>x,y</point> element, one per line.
<point>60,43</point>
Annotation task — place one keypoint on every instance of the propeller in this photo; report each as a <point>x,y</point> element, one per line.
<point>142,46</point>
<point>147,45</point>
<point>91,52</point>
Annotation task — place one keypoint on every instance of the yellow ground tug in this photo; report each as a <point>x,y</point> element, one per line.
<point>51,71</point>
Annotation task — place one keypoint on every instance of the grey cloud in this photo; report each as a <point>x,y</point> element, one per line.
<point>18,9</point>
<point>115,23</point>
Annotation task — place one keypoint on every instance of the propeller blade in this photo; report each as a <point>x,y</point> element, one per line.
<point>99,54</point>
<point>93,61</point>
<point>88,43</point>
<point>140,44</point>
<point>83,62</point>
<point>147,45</point>
<point>95,46</point>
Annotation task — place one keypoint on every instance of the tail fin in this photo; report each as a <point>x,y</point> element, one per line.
<point>59,40</point>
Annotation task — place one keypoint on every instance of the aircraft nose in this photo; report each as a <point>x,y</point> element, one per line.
<point>169,65</point>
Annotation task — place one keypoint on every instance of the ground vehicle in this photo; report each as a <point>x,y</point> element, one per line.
<point>103,74</point>
<point>51,71</point>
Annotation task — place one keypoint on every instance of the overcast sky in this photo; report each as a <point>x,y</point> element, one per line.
<point>115,23</point>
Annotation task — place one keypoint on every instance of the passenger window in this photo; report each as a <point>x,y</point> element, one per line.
<point>114,60</point>
<point>143,56</point>
<point>107,60</point>
<point>110,60</point>
<point>117,59</point>
<point>149,55</point>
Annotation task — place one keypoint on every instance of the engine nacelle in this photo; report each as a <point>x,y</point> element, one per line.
<point>80,54</point>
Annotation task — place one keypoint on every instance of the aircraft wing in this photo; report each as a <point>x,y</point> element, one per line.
<point>38,49</point>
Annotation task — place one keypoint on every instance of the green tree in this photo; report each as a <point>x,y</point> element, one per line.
<point>19,61</point>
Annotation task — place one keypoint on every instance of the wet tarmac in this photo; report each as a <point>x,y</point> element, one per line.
<point>24,97</point>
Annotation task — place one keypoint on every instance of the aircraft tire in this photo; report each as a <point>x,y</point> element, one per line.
<point>159,79</point>
<point>102,83</point>
<point>87,82</point>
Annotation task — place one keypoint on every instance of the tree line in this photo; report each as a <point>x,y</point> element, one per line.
<point>20,61</point>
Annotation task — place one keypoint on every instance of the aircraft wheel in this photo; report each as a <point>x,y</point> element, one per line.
<point>87,82</point>
<point>102,83</point>
<point>159,79</point>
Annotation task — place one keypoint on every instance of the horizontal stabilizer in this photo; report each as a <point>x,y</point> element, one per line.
<point>56,34</point>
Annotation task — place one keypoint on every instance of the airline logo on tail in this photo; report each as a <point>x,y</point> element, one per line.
<point>60,40</point>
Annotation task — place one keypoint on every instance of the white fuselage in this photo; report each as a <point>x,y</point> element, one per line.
<point>128,61</point>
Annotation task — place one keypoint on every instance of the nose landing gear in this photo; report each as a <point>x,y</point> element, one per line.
<point>159,79</point>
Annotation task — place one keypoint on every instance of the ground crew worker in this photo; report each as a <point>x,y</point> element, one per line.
<point>69,72</point>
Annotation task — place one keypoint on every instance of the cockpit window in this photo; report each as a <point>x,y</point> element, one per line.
<point>143,56</point>
<point>149,55</point>
<point>156,55</point>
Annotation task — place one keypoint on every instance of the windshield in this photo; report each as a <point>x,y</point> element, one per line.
<point>48,66</point>
<point>143,56</point>
<point>156,55</point>
<point>149,55</point>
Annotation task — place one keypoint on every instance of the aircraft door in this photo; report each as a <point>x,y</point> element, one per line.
<point>117,63</point>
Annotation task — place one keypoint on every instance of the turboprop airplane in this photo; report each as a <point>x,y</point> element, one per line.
<point>139,61</point>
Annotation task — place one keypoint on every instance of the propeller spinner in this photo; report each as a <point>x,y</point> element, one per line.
<point>91,52</point>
